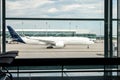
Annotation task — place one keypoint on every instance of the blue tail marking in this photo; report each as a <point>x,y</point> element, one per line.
<point>14,35</point>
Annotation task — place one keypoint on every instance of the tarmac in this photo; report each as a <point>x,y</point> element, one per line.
<point>69,51</point>
<point>95,50</point>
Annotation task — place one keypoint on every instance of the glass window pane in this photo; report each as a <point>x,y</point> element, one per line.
<point>114,8</point>
<point>69,39</point>
<point>55,8</point>
<point>115,38</point>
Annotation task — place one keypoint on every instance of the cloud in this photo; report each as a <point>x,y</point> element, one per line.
<point>26,4</point>
<point>70,7</point>
<point>25,7</point>
<point>55,8</point>
<point>52,10</point>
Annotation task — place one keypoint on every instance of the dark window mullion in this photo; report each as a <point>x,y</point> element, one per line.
<point>3,26</point>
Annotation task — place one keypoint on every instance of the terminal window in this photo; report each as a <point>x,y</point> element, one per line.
<point>52,38</point>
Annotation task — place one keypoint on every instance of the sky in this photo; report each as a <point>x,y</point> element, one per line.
<point>55,8</point>
<point>59,9</point>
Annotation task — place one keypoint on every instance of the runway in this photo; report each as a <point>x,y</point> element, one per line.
<point>69,51</point>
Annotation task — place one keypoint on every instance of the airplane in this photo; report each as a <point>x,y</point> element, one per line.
<point>50,42</point>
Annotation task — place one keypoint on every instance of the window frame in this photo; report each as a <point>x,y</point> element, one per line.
<point>105,19</point>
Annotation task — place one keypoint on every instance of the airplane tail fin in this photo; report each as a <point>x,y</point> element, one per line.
<point>14,35</point>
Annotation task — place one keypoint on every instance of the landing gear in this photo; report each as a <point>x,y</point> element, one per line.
<point>49,47</point>
<point>88,46</point>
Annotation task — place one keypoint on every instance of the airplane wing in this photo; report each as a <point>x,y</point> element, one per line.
<point>45,41</point>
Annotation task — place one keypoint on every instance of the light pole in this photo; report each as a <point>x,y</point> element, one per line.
<point>70,25</point>
<point>46,28</point>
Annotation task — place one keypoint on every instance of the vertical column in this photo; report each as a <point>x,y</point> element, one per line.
<point>0,23</point>
<point>118,32</point>
<point>3,26</point>
<point>108,29</point>
<point>108,36</point>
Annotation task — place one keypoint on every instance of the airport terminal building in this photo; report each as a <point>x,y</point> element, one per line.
<point>55,33</point>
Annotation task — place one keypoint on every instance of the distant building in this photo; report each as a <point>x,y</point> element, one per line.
<point>55,32</point>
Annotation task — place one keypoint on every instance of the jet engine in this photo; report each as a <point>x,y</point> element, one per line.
<point>59,44</point>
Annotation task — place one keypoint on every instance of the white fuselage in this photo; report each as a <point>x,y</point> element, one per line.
<point>65,40</point>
